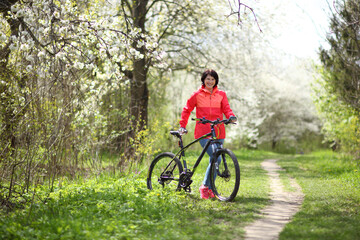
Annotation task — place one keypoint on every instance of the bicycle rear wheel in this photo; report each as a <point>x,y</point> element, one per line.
<point>164,172</point>
<point>225,176</point>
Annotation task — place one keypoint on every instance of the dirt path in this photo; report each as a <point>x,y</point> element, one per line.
<point>283,206</point>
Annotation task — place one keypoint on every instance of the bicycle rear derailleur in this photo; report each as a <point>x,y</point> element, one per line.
<point>185,180</point>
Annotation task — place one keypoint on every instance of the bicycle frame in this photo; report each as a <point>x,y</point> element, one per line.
<point>181,153</point>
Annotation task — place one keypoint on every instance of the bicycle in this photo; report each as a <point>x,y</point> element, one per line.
<point>167,171</point>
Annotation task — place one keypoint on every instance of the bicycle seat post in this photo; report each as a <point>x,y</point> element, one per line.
<point>181,145</point>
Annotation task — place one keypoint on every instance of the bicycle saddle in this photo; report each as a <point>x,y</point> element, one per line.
<point>175,133</point>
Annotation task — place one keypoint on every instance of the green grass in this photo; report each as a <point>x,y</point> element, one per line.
<point>108,207</point>
<point>331,208</point>
<point>120,207</point>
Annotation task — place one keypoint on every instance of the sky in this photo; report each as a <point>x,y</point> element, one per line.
<point>303,27</point>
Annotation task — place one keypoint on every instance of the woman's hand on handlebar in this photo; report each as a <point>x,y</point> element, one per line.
<point>232,119</point>
<point>182,131</point>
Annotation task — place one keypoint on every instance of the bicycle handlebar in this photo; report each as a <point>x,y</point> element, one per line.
<point>203,121</point>
<point>214,122</point>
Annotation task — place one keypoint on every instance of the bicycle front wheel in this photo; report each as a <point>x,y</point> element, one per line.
<point>225,175</point>
<point>164,172</point>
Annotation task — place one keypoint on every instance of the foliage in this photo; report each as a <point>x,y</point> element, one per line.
<point>150,141</point>
<point>342,60</point>
<point>337,91</point>
<point>341,123</point>
<point>331,184</point>
<point>55,58</point>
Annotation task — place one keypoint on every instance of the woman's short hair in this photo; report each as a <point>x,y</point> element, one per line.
<point>212,73</point>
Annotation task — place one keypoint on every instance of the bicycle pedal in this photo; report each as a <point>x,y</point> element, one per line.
<point>188,189</point>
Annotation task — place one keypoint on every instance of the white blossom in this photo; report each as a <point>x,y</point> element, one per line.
<point>24,47</point>
<point>114,50</point>
<point>140,44</point>
<point>41,54</point>
<point>133,52</point>
<point>155,53</point>
<point>14,8</point>
<point>29,58</point>
<point>12,46</point>
<point>56,14</point>
<point>79,65</point>
<point>3,37</point>
<point>63,30</point>
<point>20,13</point>
<point>60,55</point>
<point>122,57</point>
<point>29,68</point>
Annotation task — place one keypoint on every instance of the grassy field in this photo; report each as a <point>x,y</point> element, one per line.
<point>107,207</point>
<point>110,207</point>
<point>331,208</point>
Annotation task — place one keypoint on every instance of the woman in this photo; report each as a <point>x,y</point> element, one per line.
<point>211,103</point>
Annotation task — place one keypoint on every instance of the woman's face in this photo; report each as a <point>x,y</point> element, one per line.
<point>209,82</point>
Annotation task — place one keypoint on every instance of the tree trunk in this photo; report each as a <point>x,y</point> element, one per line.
<point>139,92</point>
<point>139,89</point>
<point>139,97</point>
<point>273,144</point>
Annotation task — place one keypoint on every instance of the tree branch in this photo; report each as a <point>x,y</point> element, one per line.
<point>238,13</point>
<point>338,12</point>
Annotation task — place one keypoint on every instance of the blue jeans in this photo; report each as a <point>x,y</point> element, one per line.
<point>210,151</point>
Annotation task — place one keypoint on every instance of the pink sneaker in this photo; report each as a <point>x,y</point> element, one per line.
<point>211,194</point>
<point>204,192</point>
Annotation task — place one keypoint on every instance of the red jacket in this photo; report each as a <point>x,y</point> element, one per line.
<point>209,105</point>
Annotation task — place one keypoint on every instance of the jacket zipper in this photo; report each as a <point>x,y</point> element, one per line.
<point>210,105</point>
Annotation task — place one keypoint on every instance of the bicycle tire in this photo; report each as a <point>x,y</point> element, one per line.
<point>164,172</point>
<point>225,184</point>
